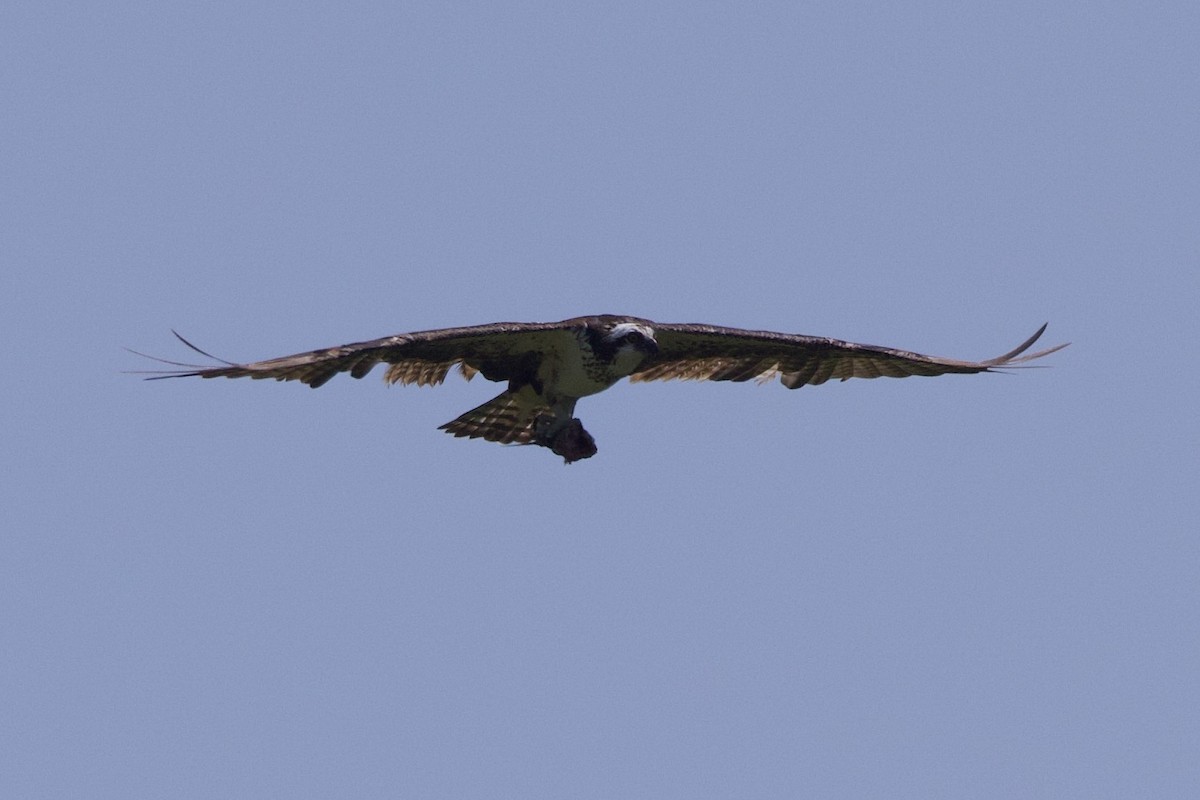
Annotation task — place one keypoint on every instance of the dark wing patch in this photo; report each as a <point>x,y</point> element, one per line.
<point>500,351</point>
<point>707,352</point>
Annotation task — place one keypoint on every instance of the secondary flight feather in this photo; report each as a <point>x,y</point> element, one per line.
<point>549,366</point>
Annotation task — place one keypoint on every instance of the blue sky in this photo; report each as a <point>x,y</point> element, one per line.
<point>979,586</point>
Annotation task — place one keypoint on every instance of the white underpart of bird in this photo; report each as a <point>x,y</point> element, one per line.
<point>574,372</point>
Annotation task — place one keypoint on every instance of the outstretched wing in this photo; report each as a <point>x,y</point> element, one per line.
<point>499,351</point>
<point>708,352</point>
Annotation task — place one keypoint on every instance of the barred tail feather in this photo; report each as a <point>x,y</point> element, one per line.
<point>507,418</point>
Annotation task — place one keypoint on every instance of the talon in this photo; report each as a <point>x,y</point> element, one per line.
<point>543,425</point>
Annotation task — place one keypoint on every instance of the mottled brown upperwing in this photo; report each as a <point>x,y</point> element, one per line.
<point>709,352</point>
<point>500,351</point>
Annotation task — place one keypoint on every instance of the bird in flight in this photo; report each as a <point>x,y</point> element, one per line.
<point>549,366</point>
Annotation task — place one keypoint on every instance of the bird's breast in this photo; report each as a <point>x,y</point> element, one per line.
<point>575,372</point>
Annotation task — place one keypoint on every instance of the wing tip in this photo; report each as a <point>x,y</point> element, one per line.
<point>185,370</point>
<point>1017,356</point>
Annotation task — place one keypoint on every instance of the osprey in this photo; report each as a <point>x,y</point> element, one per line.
<point>550,365</point>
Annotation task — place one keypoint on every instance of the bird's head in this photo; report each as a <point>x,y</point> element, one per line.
<point>627,344</point>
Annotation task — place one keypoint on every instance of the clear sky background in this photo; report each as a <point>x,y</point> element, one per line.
<point>983,586</point>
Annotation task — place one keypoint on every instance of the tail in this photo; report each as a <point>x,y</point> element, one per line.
<point>507,418</point>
